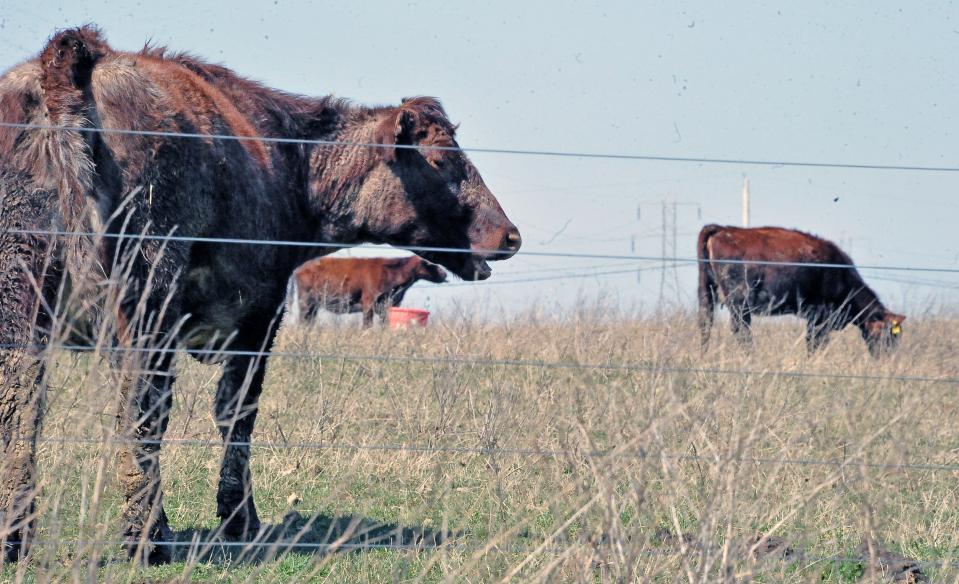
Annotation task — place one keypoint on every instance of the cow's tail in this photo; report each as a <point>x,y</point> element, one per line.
<point>293,316</point>
<point>51,96</point>
<point>66,75</point>
<point>707,282</point>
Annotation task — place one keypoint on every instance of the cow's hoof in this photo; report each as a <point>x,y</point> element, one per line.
<point>155,551</point>
<point>11,553</point>
<point>160,554</point>
<point>239,523</point>
<point>240,528</point>
<point>16,547</point>
<point>149,554</point>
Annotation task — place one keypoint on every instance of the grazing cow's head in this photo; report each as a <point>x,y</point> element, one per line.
<point>882,332</point>
<point>430,272</point>
<point>427,193</point>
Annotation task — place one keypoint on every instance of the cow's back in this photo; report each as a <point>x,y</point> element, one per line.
<point>771,244</point>
<point>339,279</point>
<point>348,284</point>
<point>327,272</point>
<point>771,284</point>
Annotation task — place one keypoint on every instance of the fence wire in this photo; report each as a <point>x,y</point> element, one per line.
<point>455,360</point>
<point>199,548</point>
<point>509,151</point>
<point>544,454</point>
<point>491,252</point>
<point>555,455</point>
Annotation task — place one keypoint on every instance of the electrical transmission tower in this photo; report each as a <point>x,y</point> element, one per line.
<point>668,274</point>
<point>669,286</point>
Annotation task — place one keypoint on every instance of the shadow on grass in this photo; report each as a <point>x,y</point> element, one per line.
<point>314,534</point>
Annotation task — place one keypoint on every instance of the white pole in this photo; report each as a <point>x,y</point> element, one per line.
<point>746,201</point>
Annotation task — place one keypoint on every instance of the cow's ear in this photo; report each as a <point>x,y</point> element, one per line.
<point>396,129</point>
<point>895,323</point>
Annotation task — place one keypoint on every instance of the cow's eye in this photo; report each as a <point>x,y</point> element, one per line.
<point>454,188</point>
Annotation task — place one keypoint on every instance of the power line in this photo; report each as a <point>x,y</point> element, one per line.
<point>548,278</point>
<point>576,269</point>
<point>555,153</point>
<point>492,252</point>
<point>920,282</point>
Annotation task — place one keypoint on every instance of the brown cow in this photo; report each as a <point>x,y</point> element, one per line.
<point>347,285</point>
<point>829,298</point>
<point>319,180</point>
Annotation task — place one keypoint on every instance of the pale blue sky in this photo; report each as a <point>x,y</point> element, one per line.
<point>860,82</point>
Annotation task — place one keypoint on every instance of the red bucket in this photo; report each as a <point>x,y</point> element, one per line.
<point>400,318</point>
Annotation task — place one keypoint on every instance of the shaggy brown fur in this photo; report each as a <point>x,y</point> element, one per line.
<point>24,263</point>
<point>367,285</point>
<point>828,298</point>
<point>195,293</point>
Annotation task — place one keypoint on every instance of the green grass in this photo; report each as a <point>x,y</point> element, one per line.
<point>677,469</point>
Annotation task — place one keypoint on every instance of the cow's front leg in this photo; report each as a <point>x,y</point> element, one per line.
<point>235,410</point>
<point>817,333</point>
<point>145,401</point>
<point>21,406</point>
<point>381,309</point>
<point>740,320</point>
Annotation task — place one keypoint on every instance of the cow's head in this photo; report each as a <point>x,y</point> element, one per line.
<point>427,193</point>
<point>430,272</point>
<point>882,331</point>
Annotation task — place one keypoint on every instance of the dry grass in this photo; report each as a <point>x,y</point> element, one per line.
<point>648,474</point>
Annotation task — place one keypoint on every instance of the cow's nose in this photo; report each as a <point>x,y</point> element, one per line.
<point>511,242</point>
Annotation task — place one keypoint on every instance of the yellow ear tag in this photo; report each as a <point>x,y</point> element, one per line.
<point>896,330</point>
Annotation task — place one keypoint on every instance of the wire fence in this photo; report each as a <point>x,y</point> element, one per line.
<point>657,545</point>
<point>450,544</point>
<point>511,151</point>
<point>544,455</point>
<point>486,362</point>
<point>581,273</point>
<point>490,252</point>
<point>454,544</point>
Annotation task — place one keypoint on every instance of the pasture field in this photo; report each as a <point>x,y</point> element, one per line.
<point>464,453</point>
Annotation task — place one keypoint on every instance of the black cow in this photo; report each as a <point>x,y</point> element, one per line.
<point>316,182</point>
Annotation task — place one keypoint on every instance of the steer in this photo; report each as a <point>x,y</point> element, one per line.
<point>346,285</point>
<point>766,270</point>
<point>112,159</point>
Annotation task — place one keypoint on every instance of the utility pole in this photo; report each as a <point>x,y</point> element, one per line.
<point>745,201</point>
